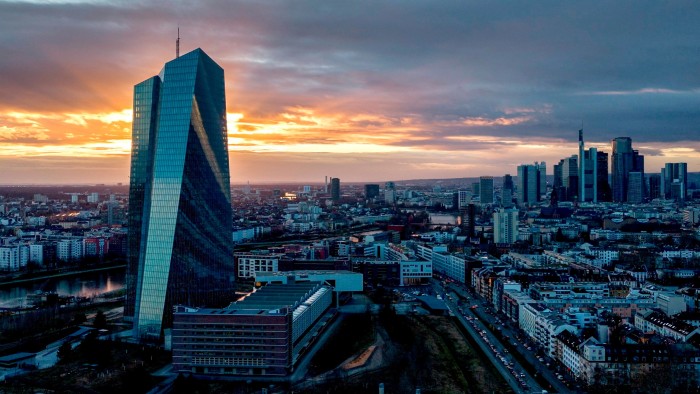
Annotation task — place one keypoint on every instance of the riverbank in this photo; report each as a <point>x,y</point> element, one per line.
<point>9,281</point>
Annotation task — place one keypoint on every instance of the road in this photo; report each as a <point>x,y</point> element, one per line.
<point>509,368</point>
<point>490,321</point>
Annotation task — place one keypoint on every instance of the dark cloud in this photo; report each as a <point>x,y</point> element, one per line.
<point>438,62</point>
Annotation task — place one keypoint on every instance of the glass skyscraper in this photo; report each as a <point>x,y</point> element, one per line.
<point>180,248</point>
<point>624,161</point>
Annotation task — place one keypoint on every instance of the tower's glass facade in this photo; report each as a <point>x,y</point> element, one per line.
<point>146,96</point>
<point>180,201</point>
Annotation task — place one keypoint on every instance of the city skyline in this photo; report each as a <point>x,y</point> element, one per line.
<point>355,92</point>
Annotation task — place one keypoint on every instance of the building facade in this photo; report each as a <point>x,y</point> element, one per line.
<point>180,249</point>
<point>486,190</point>
<point>624,161</point>
<point>262,335</point>
<point>335,189</point>
<point>505,226</point>
<point>528,184</point>
<point>674,174</point>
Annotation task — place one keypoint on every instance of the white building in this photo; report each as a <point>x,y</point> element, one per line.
<point>464,197</point>
<point>36,253</point>
<point>671,303</point>
<point>69,249</point>
<point>13,257</point>
<point>250,233</point>
<point>505,226</point>
<point>547,327</point>
<point>342,281</point>
<point>247,264</point>
<point>527,317</point>
<point>654,321</point>
<point>415,272</point>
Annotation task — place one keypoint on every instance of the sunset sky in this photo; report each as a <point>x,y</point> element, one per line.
<point>360,90</point>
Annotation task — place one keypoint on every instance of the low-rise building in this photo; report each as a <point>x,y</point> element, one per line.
<point>262,335</point>
<point>657,322</point>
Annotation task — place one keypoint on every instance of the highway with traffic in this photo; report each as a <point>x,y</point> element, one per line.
<point>535,367</point>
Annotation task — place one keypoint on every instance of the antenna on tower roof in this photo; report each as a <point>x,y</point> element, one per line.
<point>177,44</point>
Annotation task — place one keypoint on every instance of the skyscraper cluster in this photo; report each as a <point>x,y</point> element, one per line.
<point>584,177</point>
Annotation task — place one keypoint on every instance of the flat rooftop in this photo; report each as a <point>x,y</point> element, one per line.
<point>267,300</point>
<point>303,273</point>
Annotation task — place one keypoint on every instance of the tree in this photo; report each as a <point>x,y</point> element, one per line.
<point>100,320</point>
<point>559,236</point>
<point>65,351</point>
<point>79,318</point>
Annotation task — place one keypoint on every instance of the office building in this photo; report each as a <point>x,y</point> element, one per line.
<point>486,190</point>
<point>180,248</point>
<point>587,171</point>
<point>507,197</point>
<point>558,175</point>
<point>476,189</point>
<point>262,335</point>
<point>542,173</point>
<point>505,226</point>
<point>603,185</point>
<point>507,192</point>
<point>674,179</point>
<point>621,166</point>
<point>639,186</point>
<point>390,193</point>
<point>624,161</point>
<point>566,182</point>
<point>463,198</point>
<point>335,189</point>
<point>468,219</point>
<point>371,191</point>
<point>528,184</point>
<point>654,186</point>
<point>93,198</point>
<point>635,190</point>
<point>508,182</point>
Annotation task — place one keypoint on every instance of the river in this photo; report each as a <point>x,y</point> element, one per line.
<point>81,285</point>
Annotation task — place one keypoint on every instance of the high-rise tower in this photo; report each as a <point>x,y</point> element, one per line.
<point>587,171</point>
<point>528,184</point>
<point>486,190</point>
<point>674,181</point>
<point>180,249</point>
<point>621,166</point>
<point>624,161</point>
<point>335,189</point>
<point>505,226</point>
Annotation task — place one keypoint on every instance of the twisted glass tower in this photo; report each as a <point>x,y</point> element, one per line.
<point>180,249</point>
